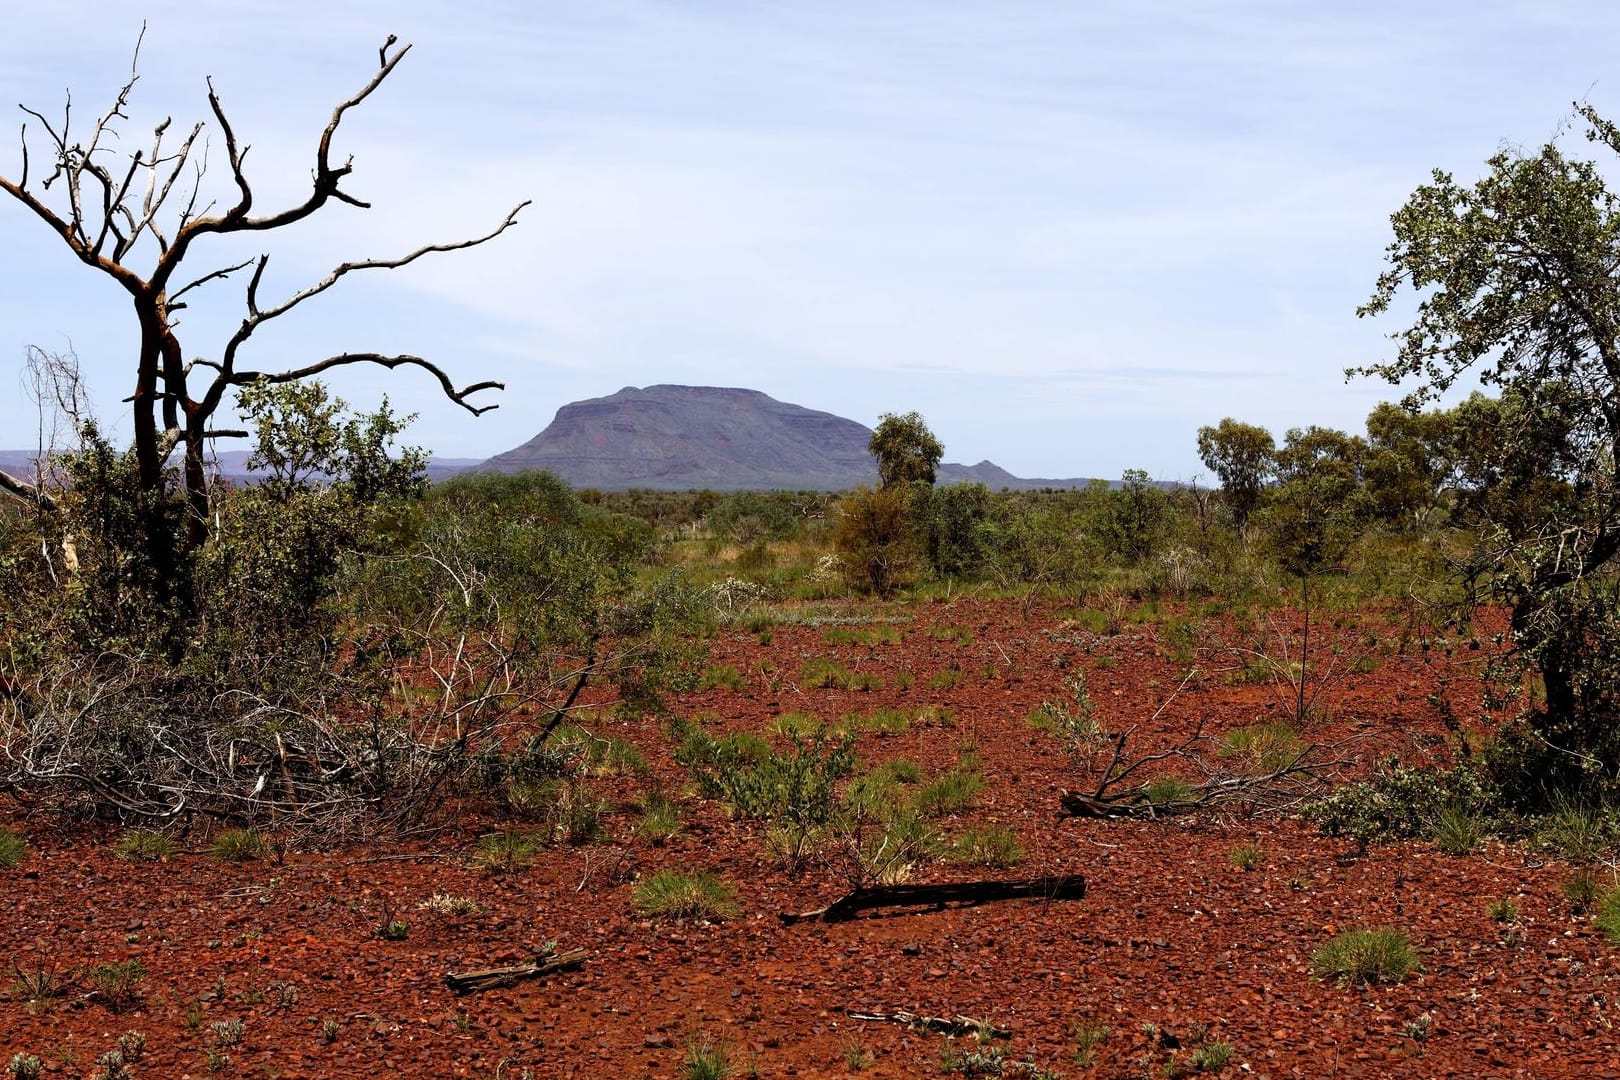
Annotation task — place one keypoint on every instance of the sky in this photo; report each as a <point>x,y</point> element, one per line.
<point>1068,234</point>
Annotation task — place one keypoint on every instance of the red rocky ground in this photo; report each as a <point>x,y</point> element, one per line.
<point>1169,938</point>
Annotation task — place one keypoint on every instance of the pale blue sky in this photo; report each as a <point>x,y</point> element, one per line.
<point>1067,233</point>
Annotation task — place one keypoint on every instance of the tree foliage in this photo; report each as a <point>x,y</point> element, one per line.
<point>1517,277</point>
<point>1241,455</point>
<point>906,451</point>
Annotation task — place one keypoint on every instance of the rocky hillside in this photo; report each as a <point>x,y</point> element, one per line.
<point>683,437</point>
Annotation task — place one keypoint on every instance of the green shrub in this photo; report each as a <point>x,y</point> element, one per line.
<point>824,674</point>
<point>904,840</point>
<point>796,725</point>
<point>900,771</point>
<point>1574,831</point>
<point>1211,1057</point>
<point>1088,1037</point>
<point>1399,801</point>
<point>238,845</point>
<point>948,679</point>
<point>13,849</point>
<point>1503,911</point>
<point>143,845</point>
<point>577,815</point>
<point>685,894</point>
<point>758,782</point>
<point>1380,954</point>
<point>882,721</point>
<point>1073,722</point>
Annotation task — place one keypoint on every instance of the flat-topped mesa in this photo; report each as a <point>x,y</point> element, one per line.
<point>723,438</point>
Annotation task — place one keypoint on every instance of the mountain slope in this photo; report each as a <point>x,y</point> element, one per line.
<point>726,439</point>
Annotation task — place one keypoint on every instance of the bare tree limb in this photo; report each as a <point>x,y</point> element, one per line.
<point>29,492</point>
<point>459,396</point>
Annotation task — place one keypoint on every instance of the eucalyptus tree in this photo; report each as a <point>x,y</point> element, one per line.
<point>1516,278</point>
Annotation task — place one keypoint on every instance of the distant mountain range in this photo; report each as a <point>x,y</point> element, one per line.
<point>682,438</point>
<point>678,438</point>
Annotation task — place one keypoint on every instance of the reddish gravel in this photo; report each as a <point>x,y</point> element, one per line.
<point>1170,934</point>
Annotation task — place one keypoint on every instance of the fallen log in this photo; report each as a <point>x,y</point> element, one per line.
<point>938,897</point>
<point>465,982</point>
<point>954,1026</point>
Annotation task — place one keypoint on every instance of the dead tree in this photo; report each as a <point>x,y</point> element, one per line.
<point>1125,786</point>
<point>1196,773</point>
<point>143,220</point>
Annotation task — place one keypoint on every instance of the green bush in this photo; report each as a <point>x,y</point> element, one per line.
<point>116,983</point>
<point>706,1059</point>
<point>1380,954</point>
<point>1167,790</point>
<point>824,674</point>
<point>1581,889</point>
<point>1399,802</point>
<point>1457,830</point>
<point>758,782</point>
<point>723,677</point>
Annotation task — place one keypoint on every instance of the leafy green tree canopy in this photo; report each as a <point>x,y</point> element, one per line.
<point>1243,456</point>
<point>905,449</point>
<point>1517,278</point>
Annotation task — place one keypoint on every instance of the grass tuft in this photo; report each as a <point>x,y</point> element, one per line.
<point>13,849</point>
<point>686,894</point>
<point>238,845</point>
<point>1378,954</point>
<point>143,845</point>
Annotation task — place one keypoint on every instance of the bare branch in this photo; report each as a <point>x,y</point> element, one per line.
<point>28,492</point>
<point>459,396</point>
<point>223,272</point>
<point>376,264</point>
<point>327,178</point>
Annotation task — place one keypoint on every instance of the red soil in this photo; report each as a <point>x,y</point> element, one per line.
<point>1170,934</point>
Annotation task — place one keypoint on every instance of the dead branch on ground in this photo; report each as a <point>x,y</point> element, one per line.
<point>939,897</point>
